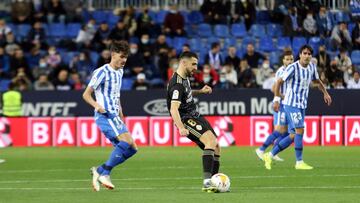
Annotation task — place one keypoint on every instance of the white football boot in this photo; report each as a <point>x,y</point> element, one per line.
<point>106,182</point>
<point>95,179</point>
<point>260,154</point>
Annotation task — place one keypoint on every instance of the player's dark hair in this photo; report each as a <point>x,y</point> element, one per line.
<point>120,46</point>
<point>286,52</point>
<point>306,46</point>
<point>188,54</point>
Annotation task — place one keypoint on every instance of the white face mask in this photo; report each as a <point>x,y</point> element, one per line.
<point>175,66</point>
<point>144,41</point>
<point>222,79</point>
<point>133,50</point>
<point>266,65</point>
<point>207,79</point>
<point>52,52</point>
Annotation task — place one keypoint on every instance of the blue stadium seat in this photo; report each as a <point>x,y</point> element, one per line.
<point>94,56</point>
<point>274,30</point>
<point>341,16</point>
<point>263,17</point>
<point>195,44</point>
<point>204,30</point>
<point>221,31</point>
<point>4,83</point>
<point>266,44</point>
<point>23,30</point>
<point>351,27</point>
<point>112,19</point>
<point>195,17</point>
<point>160,16</point>
<point>238,30</point>
<point>157,82</point>
<point>297,43</point>
<point>258,30</point>
<point>283,42</point>
<point>274,58</point>
<point>211,40</point>
<point>230,41</point>
<point>315,42</point>
<point>248,40</point>
<point>169,41</point>
<point>73,29</point>
<point>178,42</point>
<point>185,15</point>
<point>100,16</point>
<point>13,28</point>
<point>355,57</point>
<point>57,30</point>
<point>127,84</point>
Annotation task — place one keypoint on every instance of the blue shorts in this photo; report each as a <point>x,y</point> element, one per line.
<point>111,125</point>
<point>280,117</point>
<point>295,117</point>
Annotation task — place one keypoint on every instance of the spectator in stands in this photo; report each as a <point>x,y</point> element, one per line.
<point>37,36</point>
<point>233,10</point>
<point>248,12</point>
<point>344,64</point>
<point>104,58</point>
<point>146,48</point>
<point>91,28</point>
<point>232,58</point>
<point>263,73</point>
<point>4,30</point>
<point>214,58</point>
<point>10,44</point>
<point>185,47</point>
<point>75,81</point>
<point>246,75</point>
<point>333,73</point>
<point>340,37</point>
<point>83,39</point>
<point>324,79</point>
<point>18,61</point>
<point>101,39</point>
<point>309,25</point>
<point>145,23</point>
<point>128,17</point>
<point>135,62</point>
<point>208,76</point>
<point>62,82</point>
<point>323,58</point>
<point>82,64</point>
<point>140,82</point>
<point>230,75</point>
<point>324,22</point>
<point>4,64</point>
<point>34,56</point>
<point>173,66</point>
<point>253,57</point>
<point>22,80</point>
<point>291,23</point>
<point>21,11</point>
<point>73,9</point>
<point>42,68</point>
<point>55,12</point>
<point>339,83</point>
<point>355,35</point>
<point>354,83</point>
<point>213,12</point>
<point>174,23</point>
<point>53,58</point>
<point>269,82</point>
<point>160,46</point>
<point>43,83</point>
<point>119,32</point>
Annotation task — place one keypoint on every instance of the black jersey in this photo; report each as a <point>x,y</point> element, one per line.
<point>179,90</point>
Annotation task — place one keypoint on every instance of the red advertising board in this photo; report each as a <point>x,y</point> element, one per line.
<point>87,132</point>
<point>352,130</point>
<point>39,131</point>
<point>331,130</point>
<point>312,130</point>
<point>161,131</point>
<point>64,132</point>
<point>139,129</point>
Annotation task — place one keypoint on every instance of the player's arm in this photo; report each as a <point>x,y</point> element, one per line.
<point>87,96</point>
<point>121,112</point>
<point>277,96</point>
<point>205,90</point>
<point>174,111</point>
<point>322,88</point>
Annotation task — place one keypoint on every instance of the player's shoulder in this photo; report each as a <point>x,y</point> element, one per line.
<point>101,69</point>
<point>175,80</point>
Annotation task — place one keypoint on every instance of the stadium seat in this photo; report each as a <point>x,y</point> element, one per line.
<point>100,16</point>
<point>315,42</point>
<point>221,31</point>
<point>341,16</point>
<point>355,57</point>
<point>230,41</point>
<point>274,58</point>
<point>157,82</point>
<point>112,19</point>
<point>23,30</point>
<point>351,27</point>
<point>160,16</point>
<point>73,29</point>
<point>258,30</point>
<point>263,17</point>
<point>238,30</point>
<point>211,40</point>
<point>185,15</point>
<point>266,44</point>
<point>169,41</point>
<point>94,56</point>
<point>127,84</point>
<point>274,30</point>
<point>195,44</point>
<point>178,42</point>
<point>283,42</point>
<point>4,83</point>
<point>204,30</point>
<point>57,30</point>
<point>297,43</point>
<point>195,17</point>
<point>247,40</point>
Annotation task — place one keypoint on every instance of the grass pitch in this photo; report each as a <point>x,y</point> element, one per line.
<point>173,174</point>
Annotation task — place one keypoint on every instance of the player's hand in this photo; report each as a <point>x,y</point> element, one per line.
<point>276,106</point>
<point>327,99</point>
<point>206,89</point>
<point>100,109</point>
<point>184,132</point>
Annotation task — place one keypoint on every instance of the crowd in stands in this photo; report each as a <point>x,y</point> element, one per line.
<point>56,44</point>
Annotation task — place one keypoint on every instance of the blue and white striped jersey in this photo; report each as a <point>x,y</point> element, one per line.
<point>298,79</point>
<point>106,83</point>
<point>278,75</point>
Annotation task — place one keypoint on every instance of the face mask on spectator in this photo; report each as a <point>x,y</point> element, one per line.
<point>144,40</point>
<point>222,78</point>
<point>172,11</point>
<point>42,65</point>
<point>207,79</point>
<point>266,65</point>
<point>133,50</point>
<point>52,52</point>
<point>175,66</point>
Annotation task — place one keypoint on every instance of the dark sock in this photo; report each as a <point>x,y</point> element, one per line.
<point>208,162</point>
<point>216,164</point>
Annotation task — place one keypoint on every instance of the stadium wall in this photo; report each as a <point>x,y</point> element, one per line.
<point>160,131</point>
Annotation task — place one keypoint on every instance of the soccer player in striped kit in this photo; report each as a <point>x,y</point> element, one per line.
<point>106,83</point>
<point>297,77</point>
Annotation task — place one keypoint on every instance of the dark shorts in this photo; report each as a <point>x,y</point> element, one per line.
<point>197,126</point>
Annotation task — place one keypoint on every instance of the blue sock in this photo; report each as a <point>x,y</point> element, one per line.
<point>298,147</point>
<point>282,136</point>
<point>121,152</point>
<point>270,139</point>
<point>283,144</point>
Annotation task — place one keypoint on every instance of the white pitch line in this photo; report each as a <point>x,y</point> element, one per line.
<point>173,178</point>
<point>194,188</point>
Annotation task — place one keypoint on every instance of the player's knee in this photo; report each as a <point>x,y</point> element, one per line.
<point>292,136</point>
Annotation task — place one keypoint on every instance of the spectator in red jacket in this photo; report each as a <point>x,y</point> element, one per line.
<point>174,23</point>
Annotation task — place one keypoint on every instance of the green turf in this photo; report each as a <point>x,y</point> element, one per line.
<point>169,174</point>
